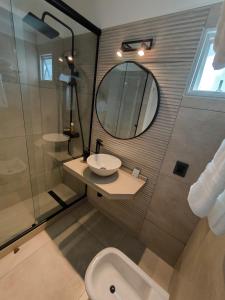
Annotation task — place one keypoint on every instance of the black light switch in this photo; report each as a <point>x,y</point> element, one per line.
<point>180,168</point>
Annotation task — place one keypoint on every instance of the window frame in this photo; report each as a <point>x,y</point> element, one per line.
<point>42,57</point>
<point>198,67</point>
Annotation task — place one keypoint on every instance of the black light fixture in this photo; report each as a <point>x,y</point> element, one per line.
<point>140,46</point>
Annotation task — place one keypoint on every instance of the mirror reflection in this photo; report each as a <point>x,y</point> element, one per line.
<point>127,100</point>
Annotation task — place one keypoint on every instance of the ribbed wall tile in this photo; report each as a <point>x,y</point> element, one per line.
<point>176,38</point>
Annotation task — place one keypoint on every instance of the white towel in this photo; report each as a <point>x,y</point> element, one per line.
<point>216,216</point>
<point>220,154</point>
<point>219,42</point>
<point>209,186</point>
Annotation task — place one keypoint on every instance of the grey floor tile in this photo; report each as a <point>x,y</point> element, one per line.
<point>75,243</point>
<point>107,232</point>
<point>83,212</point>
<point>57,229</point>
<point>79,248</point>
<point>132,247</point>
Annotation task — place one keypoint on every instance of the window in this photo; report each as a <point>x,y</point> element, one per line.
<point>46,66</point>
<point>206,81</point>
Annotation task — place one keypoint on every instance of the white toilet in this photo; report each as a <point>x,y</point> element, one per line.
<point>113,276</point>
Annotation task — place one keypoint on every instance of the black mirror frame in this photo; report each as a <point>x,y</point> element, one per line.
<point>158,104</point>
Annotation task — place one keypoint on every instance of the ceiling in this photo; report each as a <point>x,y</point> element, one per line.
<point>103,13</point>
<point>108,13</point>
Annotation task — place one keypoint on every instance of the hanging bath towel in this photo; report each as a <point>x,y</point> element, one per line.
<point>209,186</point>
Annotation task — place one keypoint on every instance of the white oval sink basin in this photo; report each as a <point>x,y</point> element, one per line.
<point>113,276</point>
<point>103,164</point>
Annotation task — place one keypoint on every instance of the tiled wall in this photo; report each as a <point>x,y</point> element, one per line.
<point>200,272</point>
<point>185,129</point>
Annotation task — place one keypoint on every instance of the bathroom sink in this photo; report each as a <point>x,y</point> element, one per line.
<point>113,276</point>
<point>103,164</point>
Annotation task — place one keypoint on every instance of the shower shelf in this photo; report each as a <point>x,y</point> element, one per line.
<point>119,186</point>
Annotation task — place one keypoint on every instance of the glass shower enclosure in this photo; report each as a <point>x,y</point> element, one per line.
<point>47,79</point>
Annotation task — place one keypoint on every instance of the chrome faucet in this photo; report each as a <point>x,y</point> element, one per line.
<point>99,143</point>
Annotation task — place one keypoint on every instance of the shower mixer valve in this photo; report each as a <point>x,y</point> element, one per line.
<point>70,133</point>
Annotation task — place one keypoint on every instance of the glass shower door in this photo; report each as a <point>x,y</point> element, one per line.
<point>16,204</point>
<point>36,109</point>
<point>47,95</point>
<point>41,98</point>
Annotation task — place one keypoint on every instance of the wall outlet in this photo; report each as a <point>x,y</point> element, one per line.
<point>180,168</point>
<point>136,172</point>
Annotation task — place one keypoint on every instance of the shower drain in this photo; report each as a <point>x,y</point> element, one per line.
<point>112,289</point>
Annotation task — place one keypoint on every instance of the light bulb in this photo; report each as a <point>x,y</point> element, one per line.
<point>119,53</point>
<point>70,58</point>
<point>60,59</point>
<point>141,52</point>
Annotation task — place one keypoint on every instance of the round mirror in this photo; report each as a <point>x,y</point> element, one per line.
<point>127,100</point>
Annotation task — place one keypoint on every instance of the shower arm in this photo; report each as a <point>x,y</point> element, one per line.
<point>46,13</point>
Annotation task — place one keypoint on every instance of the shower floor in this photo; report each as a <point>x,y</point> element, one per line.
<point>20,216</point>
<point>52,264</point>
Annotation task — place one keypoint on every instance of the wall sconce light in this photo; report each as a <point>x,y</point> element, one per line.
<point>119,53</point>
<point>141,52</point>
<point>140,46</point>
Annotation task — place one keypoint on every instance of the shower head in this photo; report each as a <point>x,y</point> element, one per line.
<point>40,26</point>
<point>44,28</point>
